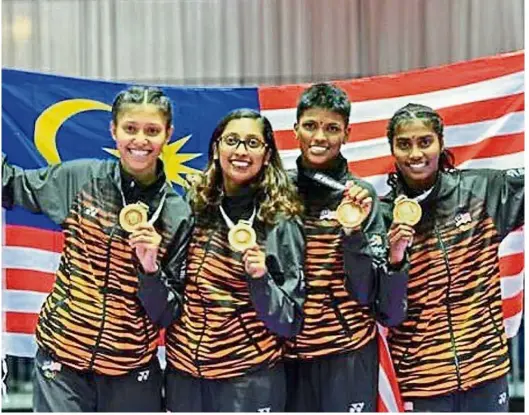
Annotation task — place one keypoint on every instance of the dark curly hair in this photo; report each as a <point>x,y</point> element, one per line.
<point>275,192</point>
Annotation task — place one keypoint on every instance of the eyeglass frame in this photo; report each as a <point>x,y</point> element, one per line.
<point>263,145</point>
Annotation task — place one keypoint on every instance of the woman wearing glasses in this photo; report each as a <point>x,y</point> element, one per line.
<point>243,279</point>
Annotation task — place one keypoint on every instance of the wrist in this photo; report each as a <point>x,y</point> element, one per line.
<point>151,268</point>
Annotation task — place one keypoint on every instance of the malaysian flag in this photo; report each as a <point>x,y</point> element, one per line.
<point>47,119</point>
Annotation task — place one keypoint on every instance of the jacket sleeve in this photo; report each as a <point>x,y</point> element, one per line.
<point>369,278</point>
<point>48,190</point>
<point>505,200</point>
<point>279,295</point>
<point>161,293</point>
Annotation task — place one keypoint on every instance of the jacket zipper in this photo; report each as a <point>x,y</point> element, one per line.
<point>449,315</point>
<point>104,291</point>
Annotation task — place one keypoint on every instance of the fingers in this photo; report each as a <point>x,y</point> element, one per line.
<point>400,232</point>
<point>145,234</point>
<point>254,262</point>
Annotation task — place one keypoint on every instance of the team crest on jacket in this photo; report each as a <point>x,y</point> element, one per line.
<point>376,243</point>
<point>463,221</point>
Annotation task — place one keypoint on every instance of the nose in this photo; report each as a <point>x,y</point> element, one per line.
<point>141,137</point>
<point>319,134</point>
<point>416,153</point>
<point>241,148</point>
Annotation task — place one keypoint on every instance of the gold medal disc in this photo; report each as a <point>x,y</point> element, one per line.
<point>350,215</point>
<point>241,237</point>
<point>407,211</point>
<point>132,215</point>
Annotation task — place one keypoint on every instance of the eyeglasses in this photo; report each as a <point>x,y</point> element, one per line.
<point>252,144</point>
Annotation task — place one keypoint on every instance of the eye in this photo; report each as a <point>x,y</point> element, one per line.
<point>334,129</point>
<point>403,144</point>
<point>309,125</point>
<point>153,131</point>
<point>130,128</point>
<point>231,140</point>
<point>255,143</point>
<point>425,142</point>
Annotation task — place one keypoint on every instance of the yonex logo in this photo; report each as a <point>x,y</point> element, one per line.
<point>143,375</point>
<point>356,407</point>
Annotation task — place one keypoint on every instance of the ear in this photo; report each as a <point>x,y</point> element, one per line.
<point>215,152</point>
<point>267,158</point>
<point>346,135</point>
<point>170,132</point>
<point>113,130</point>
<point>296,130</point>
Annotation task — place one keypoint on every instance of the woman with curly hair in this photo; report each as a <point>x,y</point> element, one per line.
<point>243,278</point>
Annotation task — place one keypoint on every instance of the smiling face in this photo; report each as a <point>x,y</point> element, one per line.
<point>417,149</point>
<point>140,133</point>
<point>321,134</point>
<point>242,152</point>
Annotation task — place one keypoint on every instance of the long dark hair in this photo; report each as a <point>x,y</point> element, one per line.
<point>431,119</point>
<point>275,192</point>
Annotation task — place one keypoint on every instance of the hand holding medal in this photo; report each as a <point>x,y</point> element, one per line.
<point>406,213</point>
<point>254,262</point>
<point>355,206</point>
<point>146,241</point>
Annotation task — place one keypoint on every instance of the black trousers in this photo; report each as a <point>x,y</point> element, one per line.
<point>59,388</point>
<point>260,391</point>
<point>337,383</point>
<point>490,396</point>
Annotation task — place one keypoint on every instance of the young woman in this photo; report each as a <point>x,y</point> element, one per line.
<point>333,363</point>
<point>96,345</point>
<point>243,296</point>
<point>450,354</point>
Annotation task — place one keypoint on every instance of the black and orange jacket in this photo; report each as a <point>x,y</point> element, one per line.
<point>93,320</point>
<point>453,338</point>
<point>232,324</point>
<point>349,284</point>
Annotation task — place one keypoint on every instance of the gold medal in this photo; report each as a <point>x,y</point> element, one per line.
<point>133,215</point>
<point>242,236</point>
<point>407,211</point>
<point>350,215</point>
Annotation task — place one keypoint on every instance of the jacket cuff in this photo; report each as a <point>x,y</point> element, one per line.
<point>354,242</point>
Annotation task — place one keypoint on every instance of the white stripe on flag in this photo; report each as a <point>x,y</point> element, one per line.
<point>513,243</point>
<point>511,285</point>
<point>382,109</point>
<point>18,344</point>
<point>22,301</point>
<point>30,258</point>
<point>512,324</point>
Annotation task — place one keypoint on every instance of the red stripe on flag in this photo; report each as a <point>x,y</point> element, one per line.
<point>407,83</point>
<point>29,237</point>
<point>16,322</point>
<point>29,280</point>
<point>512,306</point>
<point>455,115</point>
<point>511,264</point>
<point>494,146</point>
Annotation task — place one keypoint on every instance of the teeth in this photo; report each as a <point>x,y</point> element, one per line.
<point>418,166</point>
<point>140,153</point>
<point>238,163</point>
<point>318,149</point>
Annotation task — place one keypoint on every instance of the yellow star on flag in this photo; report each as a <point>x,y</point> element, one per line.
<point>173,161</point>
